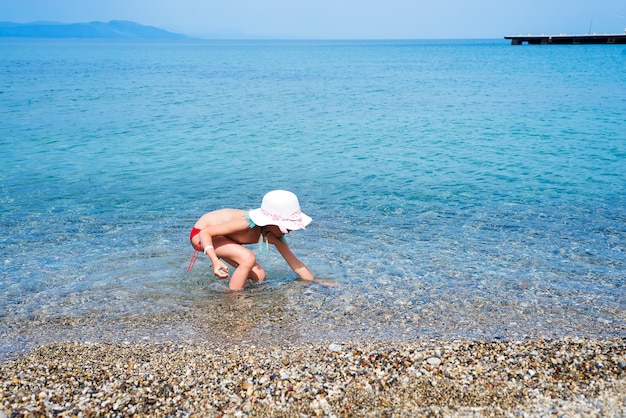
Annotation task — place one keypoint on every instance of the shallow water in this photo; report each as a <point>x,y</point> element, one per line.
<point>458,189</point>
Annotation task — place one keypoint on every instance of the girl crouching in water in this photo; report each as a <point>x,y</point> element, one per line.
<point>221,234</point>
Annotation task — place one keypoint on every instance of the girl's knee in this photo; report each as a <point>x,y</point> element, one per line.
<point>247,259</point>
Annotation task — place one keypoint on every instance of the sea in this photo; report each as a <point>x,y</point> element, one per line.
<point>459,189</point>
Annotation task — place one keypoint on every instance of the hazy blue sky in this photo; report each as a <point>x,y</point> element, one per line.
<point>345,19</point>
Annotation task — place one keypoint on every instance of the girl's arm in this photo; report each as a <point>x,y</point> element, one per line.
<point>296,265</point>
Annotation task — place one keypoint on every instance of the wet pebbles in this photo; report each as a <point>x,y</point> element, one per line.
<point>570,377</point>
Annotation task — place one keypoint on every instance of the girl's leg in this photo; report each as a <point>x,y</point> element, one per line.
<point>257,273</point>
<point>241,258</point>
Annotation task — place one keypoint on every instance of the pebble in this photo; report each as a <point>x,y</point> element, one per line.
<point>568,377</point>
<point>334,347</point>
<point>434,361</point>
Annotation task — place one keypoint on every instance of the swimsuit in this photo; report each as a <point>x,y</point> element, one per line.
<point>251,223</point>
<point>194,231</point>
<point>196,249</point>
<point>264,245</point>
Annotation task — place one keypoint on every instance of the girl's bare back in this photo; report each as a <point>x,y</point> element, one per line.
<point>218,217</point>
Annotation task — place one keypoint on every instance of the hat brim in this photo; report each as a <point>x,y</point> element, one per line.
<point>260,219</point>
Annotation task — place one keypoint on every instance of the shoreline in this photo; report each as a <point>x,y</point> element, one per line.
<point>575,377</point>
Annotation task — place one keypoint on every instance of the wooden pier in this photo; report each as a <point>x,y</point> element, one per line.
<point>592,39</point>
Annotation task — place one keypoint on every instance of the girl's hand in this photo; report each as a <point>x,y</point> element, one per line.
<point>326,284</point>
<point>221,270</point>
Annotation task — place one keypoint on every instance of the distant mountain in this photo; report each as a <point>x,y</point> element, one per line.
<point>115,29</point>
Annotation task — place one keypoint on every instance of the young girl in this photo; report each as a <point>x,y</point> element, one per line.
<point>222,233</point>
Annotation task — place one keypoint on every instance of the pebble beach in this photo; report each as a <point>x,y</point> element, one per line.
<point>566,377</point>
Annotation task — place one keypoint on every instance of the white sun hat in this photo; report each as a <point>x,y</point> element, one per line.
<point>281,208</point>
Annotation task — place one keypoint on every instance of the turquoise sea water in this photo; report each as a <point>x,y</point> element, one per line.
<point>458,189</point>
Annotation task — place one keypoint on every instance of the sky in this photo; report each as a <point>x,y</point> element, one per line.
<point>337,19</point>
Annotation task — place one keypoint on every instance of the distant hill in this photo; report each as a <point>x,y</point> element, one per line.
<point>115,29</point>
